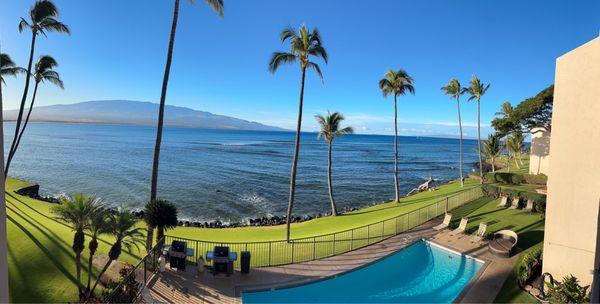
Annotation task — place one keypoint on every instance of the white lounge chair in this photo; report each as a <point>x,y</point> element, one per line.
<point>503,201</point>
<point>445,223</point>
<point>515,203</point>
<point>461,227</point>
<point>480,234</point>
<point>529,206</point>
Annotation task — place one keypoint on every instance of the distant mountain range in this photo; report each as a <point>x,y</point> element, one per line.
<point>137,113</point>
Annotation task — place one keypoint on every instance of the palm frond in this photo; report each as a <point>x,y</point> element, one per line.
<point>52,25</point>
<point>317,69</point>
<point>43,9</point>
<point>279,58</point>
<point>288,33</point>
<point>217,5</point>
<point>396,82</point>
<point>23,24</point>
<point>319,51</point>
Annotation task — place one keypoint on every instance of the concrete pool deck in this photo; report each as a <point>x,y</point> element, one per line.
<point>191,286</point>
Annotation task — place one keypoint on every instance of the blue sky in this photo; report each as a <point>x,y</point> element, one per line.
<point>117,51</point>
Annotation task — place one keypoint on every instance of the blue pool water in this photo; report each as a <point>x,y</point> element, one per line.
<point>419,273</point>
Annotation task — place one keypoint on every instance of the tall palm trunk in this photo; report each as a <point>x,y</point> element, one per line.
<point>161,108</point>
<point>149,236</point>
<point>160,234</point>
<point>333,208</point>
<point>4,298</point>
<point>22,106</point>
<point>295,158</point>
<point>493,164</point>
<point>92,246</point>
<point>78,244</point>
<point>396,190</point>
<point>479,140</point>
<point>460,162</point>
<point>14,151</point>
<point>115,247</point>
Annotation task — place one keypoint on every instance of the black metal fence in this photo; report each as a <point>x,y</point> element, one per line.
<point>281,252</point>
<point>132,284</point>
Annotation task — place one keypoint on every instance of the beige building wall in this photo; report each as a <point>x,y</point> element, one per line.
<point>539,158</point>
<point>574,177</point>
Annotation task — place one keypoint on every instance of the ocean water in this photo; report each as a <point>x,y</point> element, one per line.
<point>227,175</point>
<point>420,273</point>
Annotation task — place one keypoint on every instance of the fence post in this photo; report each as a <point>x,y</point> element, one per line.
<point>446,210</point>
<point>334,244</point>
<point>314,248</point>
<point>368,234</point>
<point>293,252</point>
<point>270,243</point>
<point>352,240</point>
<point>382,229</point>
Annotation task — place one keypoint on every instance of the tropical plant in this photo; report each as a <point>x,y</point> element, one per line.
<point>531,115</point>
<point>330,129</point>
<point>304,43</point>
<point>44,72</point>
<point>122,226</point>
<point>217,6</point>
<point>8,67</point>
<point>476,90</point>
<point>568,291</point>
<point>159,214</point>
<point>492,149</point>
<point>77,210</point>
<point>42,20</point>
<point>98,224</point>
<point>397,83</point>
<point>454,90</point>
<point>514,145</point>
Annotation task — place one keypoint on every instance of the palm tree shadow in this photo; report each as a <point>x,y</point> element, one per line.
<point>51,257</point>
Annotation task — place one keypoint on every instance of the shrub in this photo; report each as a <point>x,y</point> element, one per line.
<point>529,266</point>
<point>568,291</point>
<point>505,178</point>
<point>490,190</point>
<point>535,179</point>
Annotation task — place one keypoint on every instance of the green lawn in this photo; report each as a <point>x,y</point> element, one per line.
<point>528,226</point>
<point>41,262</point>
<point>513,166</point>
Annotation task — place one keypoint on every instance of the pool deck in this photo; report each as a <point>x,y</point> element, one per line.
<point>190,286</point>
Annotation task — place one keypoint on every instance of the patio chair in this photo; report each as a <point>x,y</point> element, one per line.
<point>445,223</point>
<point>515,203</point>
<point>479,235</point>
<point>529,206</point>
<point>503,201</point>
<point>461,227</point>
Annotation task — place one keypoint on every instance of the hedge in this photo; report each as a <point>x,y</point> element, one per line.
<point>510,178</point>
<point>496,191</point>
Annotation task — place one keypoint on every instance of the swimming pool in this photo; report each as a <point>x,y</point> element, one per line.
<point>422,272</point>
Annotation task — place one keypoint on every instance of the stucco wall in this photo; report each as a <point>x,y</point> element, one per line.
<point>574,174</point>
<point>539,158</point>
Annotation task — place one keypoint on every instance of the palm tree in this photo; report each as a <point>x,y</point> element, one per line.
<point>492,149</point>
<point>44,72</point>
<point>453,90</point>
<point>122,227</point>
<point>476,90</point>
<point>330,129</point>
<point>515,147</point>
<point>7,68</point>
<point>162,215</point>
<point>217,6</point>
<point>77,210</point>
<point>98,224</point>
<point>42,19</point>
<point>396,83</point>
<point>303,44</point>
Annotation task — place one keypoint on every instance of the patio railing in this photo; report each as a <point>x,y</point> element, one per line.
<point>281,252</point>
<point>132,285</point>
